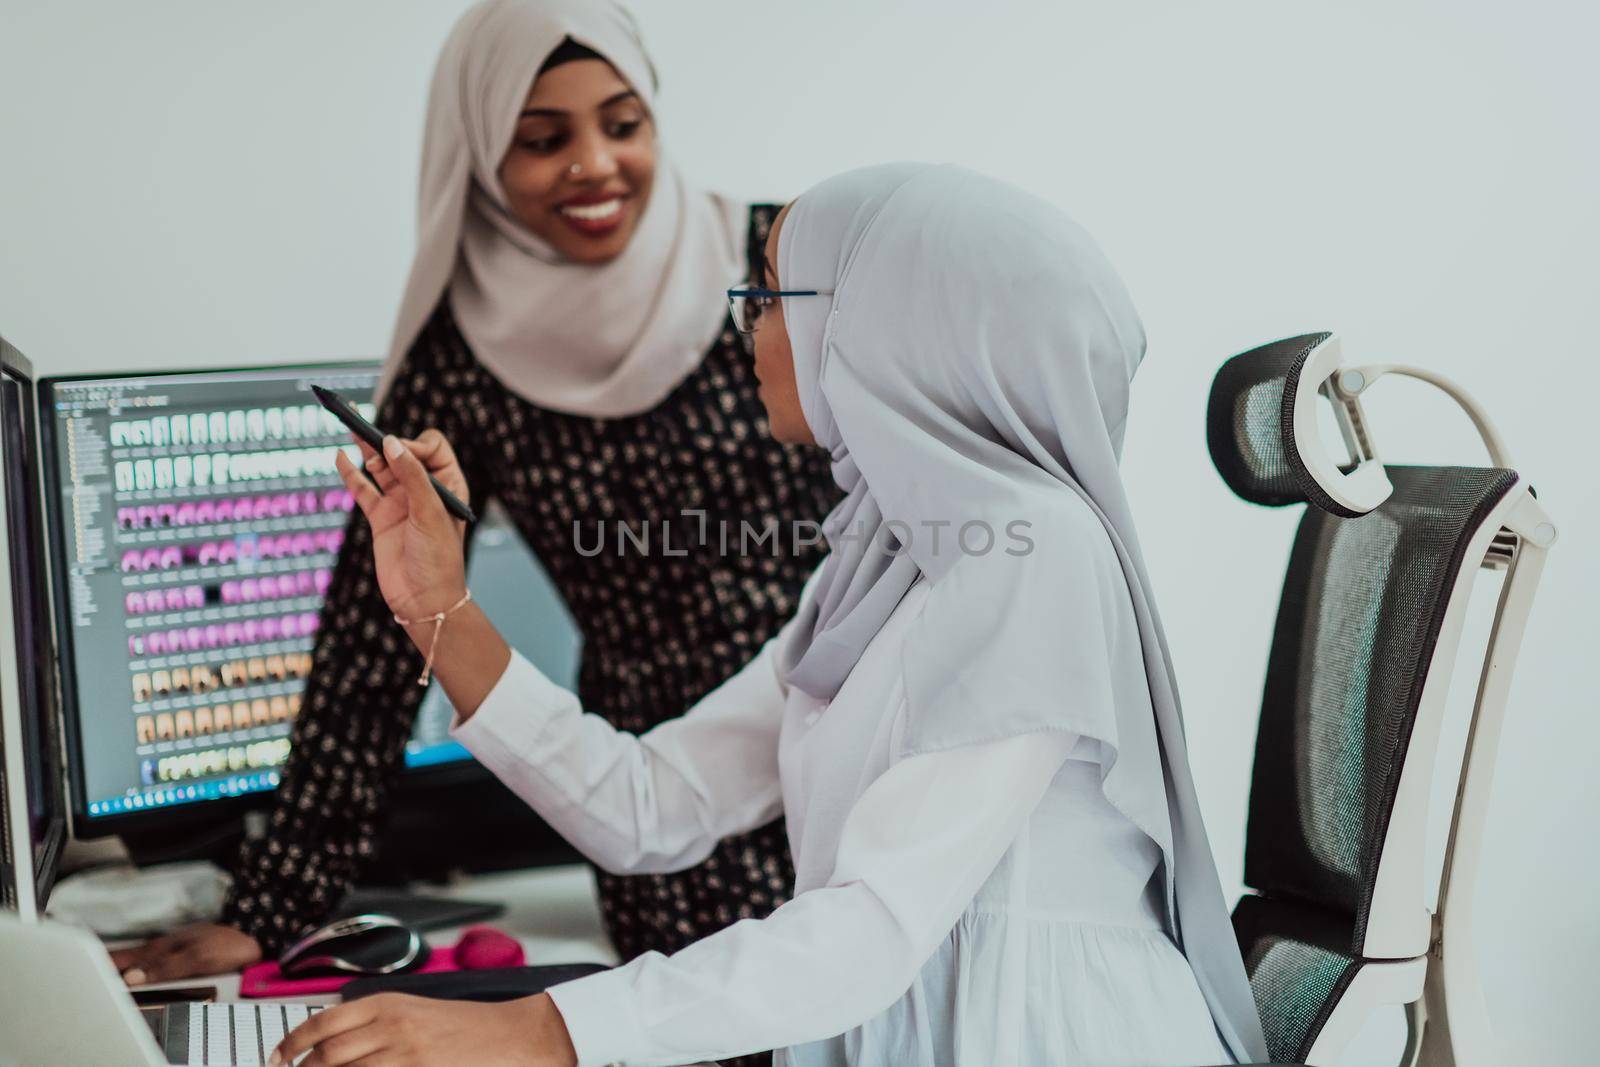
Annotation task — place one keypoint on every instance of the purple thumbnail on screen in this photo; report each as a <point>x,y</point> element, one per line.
<point>157,642</point>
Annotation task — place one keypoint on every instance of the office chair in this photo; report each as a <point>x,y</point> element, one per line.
<point>1368,629</point>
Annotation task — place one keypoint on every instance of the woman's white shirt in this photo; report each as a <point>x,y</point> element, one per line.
<point>980,905</point>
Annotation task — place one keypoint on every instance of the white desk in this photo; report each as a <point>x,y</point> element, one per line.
<point>553,911</point>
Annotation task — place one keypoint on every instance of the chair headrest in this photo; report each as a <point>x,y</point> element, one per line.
<point>1261,428</point>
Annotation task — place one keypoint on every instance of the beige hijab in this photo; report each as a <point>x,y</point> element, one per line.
<point>606,339</point>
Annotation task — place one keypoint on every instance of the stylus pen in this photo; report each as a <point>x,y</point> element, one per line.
<point>345,413</point>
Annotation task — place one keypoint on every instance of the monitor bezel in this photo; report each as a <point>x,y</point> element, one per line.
<point>36,877</point>
<point>174,818</point>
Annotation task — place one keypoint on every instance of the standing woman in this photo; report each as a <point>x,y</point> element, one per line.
<point>563,325</point>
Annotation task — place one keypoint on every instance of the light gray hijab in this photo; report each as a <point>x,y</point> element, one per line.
<point>603,339</point>
<point>973,367</point>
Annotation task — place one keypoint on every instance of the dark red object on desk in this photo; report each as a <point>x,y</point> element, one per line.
<point>483,947</point>
<point>479,948</point>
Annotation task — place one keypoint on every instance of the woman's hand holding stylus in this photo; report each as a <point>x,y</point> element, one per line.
<point>416,543</point>
<point>418,550</point>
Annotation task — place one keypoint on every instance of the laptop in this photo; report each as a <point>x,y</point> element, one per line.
<point>64,1004</point>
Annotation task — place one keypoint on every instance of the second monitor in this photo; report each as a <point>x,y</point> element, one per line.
<point>196,518</point>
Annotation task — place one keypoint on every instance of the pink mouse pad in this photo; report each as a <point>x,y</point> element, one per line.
<point>264,979</point>
<point>480,946</point>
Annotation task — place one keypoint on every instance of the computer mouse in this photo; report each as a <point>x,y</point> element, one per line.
<point>361,944</point>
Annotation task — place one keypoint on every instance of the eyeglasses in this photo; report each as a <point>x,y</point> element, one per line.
<point>747,304</point>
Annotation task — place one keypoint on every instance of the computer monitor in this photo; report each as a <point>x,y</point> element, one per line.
<point>32,797</point>
<point>195,518</point>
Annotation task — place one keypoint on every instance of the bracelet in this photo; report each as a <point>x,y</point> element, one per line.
<point>438,625</point>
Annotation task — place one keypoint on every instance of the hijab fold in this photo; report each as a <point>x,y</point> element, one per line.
<point>604,339</point>
<point>972,372</point>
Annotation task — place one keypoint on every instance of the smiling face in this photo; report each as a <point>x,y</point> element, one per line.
<point>774,357</point>
<point>581,114</point>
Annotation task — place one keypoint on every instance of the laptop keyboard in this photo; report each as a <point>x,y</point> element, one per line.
<point>231,1035</point>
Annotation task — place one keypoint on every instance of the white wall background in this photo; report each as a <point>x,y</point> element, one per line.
<point>194,182</point>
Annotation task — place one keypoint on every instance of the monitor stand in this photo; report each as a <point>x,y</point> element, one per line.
<point>433,832</point>
<point>109,865</point>
<point>417,910</point>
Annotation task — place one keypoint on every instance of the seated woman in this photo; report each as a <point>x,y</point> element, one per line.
<point>971,726</point>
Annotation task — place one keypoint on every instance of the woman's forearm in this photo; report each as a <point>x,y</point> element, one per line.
<point>635,804</point>
<point>469,658</point>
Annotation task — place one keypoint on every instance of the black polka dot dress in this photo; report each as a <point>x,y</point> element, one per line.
<point>660,628</point>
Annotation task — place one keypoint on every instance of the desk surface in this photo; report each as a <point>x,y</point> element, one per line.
<point>553,911</point>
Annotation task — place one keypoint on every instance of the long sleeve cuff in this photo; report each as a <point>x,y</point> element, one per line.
<point>602,1018</point>
<point>509,722</point>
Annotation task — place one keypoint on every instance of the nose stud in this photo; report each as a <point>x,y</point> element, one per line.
<point>575,169</point>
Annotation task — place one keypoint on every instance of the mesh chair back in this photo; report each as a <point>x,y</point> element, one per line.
<point>1358,624</point>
